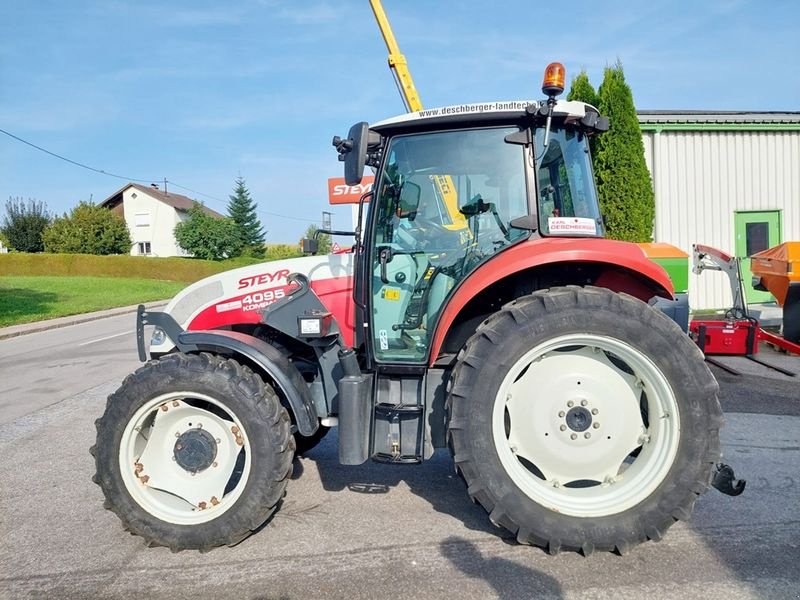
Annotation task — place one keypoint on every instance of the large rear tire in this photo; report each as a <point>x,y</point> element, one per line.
<point>584,420</point>
<point>193,452</point>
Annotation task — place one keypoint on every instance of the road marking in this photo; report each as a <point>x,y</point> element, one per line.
<point>108,337</point>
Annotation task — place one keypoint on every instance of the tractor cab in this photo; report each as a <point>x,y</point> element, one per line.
<point>454,187</point>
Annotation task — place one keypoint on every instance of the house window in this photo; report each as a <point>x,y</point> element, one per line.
<point>141,219</point>
<point>144,248</point>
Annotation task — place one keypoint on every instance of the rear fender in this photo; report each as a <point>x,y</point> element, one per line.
<point>269,361</point>
<point>623,267</point>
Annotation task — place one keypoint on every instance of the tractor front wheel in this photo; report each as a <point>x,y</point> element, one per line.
<point>193,452</point>
<point>582,419</point>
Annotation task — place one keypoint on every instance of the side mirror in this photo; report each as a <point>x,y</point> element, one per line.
<point>310,246</point>
<point>353,152</point>
<point>408,202</point>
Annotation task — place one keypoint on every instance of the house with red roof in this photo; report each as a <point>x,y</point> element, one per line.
<point>151,215</point>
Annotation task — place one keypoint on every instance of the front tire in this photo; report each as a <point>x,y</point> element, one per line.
<point>193,452</point>
<point>582,419</point>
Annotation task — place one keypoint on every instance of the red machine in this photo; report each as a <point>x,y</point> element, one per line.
<point>737,332</point>
<point>731,336</point>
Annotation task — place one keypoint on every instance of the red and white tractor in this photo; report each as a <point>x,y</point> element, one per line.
<point>481,310</point>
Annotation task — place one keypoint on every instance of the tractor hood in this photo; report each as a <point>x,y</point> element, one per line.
<point>237,297</point>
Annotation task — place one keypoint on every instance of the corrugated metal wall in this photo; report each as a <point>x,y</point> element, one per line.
<point>702,177</point>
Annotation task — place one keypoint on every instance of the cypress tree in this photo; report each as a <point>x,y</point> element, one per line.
<point>242,209</point>
<point>626,192</point>
<point>582,90</point>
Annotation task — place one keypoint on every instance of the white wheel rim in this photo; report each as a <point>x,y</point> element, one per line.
<point>150,452</point>
<point>568,415</point>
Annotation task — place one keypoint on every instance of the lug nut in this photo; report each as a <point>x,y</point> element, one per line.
<point>561,414</point>
<point>584,402</point>
<point>596,425</point>
<point>595,411</point>
<point>574,436</point>
<point>563,428</point>
<point>570,404</point>
<point>587,435</point>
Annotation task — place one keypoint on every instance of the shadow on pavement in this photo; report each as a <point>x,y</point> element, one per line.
<point>508,579</point>
<point>435,481</point>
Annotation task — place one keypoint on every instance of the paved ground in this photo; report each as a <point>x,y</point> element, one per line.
<point>377,531</point>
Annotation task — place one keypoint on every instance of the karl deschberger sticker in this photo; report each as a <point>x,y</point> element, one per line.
<point>572,225</point>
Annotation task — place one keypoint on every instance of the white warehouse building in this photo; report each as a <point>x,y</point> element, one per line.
<point>730,180</point>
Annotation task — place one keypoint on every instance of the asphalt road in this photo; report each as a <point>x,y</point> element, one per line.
<point>369,531</point>
<point>42,369</point>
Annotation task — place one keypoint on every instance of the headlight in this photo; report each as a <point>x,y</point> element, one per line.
<point>159,337</point>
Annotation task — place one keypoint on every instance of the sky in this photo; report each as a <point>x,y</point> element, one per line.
<point>201,92</point>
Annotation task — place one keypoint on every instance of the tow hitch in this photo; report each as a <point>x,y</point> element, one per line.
<point>725,481</point>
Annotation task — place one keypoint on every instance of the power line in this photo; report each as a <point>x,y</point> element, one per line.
<point>263,212</point>
<point>103,172</point>
<point>69,160</point>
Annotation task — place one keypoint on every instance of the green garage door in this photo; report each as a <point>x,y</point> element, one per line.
<point>755,231</point>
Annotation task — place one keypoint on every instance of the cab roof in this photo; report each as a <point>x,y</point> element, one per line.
<point>481,112</point>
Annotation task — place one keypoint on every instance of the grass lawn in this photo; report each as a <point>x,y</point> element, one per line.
<point>28,299</point>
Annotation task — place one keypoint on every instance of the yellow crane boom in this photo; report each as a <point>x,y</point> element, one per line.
<point>408,92</point>
<point>397,60</point>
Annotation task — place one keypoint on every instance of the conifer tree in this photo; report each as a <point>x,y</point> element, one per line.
<point>624,185</point>
<point>242,209</point>
<point>582,90</point>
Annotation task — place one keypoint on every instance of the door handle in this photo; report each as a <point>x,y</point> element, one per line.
<point>385,257</point>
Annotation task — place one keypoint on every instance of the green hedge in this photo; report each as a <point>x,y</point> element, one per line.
<point>186,270</point>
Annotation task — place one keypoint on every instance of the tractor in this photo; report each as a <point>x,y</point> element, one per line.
<point>480,310</point>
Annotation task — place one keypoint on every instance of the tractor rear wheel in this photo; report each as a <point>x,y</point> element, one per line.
<point>193,452</point>
<point>582,419</point>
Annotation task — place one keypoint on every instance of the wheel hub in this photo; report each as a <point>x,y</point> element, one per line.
<point>195,450</point>
<point>579,419</point>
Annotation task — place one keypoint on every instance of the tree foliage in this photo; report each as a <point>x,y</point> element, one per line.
<point>208,237</point>
<point>582,90</point>
<point>88,229</point>
<point>24,224</point>
<point>626,192</point>
<point>282,251</point>
<point>325,244</point>
<point>242,209</point>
